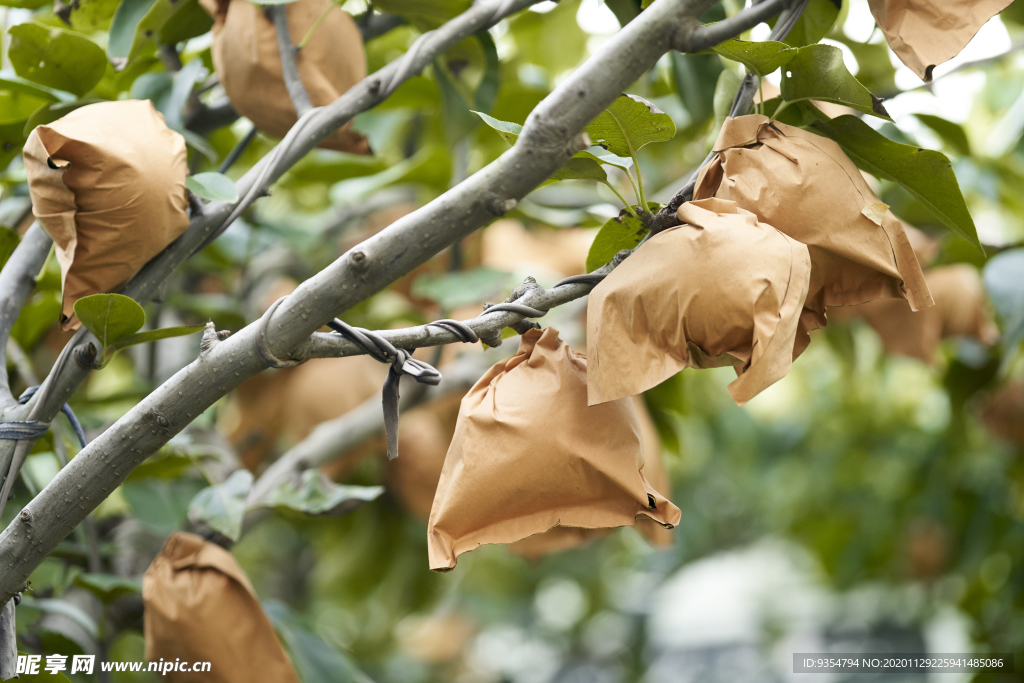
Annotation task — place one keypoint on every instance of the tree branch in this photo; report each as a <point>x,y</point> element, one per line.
<point>488,326</point>
<point>549,138</point>
<point>317,125</point>
<point>289,66</point>
<point>373,25</point>
<point>17,282</point>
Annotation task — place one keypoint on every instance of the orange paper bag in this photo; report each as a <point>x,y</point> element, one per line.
<point>108,185</point>
<point>806,186</point>
<point>564,537</point>
<point>248,63</point>
<point>529,454</point>
<point>926,33</point>
<point>200,607</point>
<point>722,289</point>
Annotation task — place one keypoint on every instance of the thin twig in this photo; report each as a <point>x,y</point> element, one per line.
<point>289,66</point>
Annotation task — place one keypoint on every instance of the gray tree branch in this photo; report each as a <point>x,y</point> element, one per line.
<point>17,282</point>
<point>549,138</point>
<point>289,65</point>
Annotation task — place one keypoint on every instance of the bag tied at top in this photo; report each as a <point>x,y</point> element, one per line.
<point>529,454</point>
<point>805,186</point>
<point>722,289</point>
<point>108,186</point>
<point>248,63</point>
<point>200,607</point>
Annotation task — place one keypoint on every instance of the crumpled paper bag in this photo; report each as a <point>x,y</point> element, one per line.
<point>108,185</point>
<point>721,289</point>
<point>200,606</point>
<point>564,537</point>
<point>529,454</point>
<point>806,186</point>
<point>248,63</point>
<point>926,33</point>
<point>960,310</point>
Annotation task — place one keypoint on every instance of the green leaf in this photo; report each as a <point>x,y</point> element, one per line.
<point>172,461</point>
<point>457,118</point>
<point>817,72</point>
<point>487,92</point>
<point>315,661</point>
<point>695,78</point>
<point>725,92</point>
<point>36,317</point>
<point>581,168</point>
<point>110,317</point>
<point>951,133</point>
<point>1004,279</point>
<point>222,507</point>
<point>312,493</point>
<point>760,58</point>
<point>188,20</point>
<point>24,4</point>
<point>161,504</point>
<point>89,16</point>
<point>424,14</point>
<point>56,57</point>
<point>122,28</point>
<point>628,124</point>
<point>157,335</point>
<point>622,232</point>
<point>508,131</point>
<point>108,587</point>
<point>462,288</point>
<point>925,173</point>
<point>213,186</point>
<point>8,242</point>
<point>815,22</point>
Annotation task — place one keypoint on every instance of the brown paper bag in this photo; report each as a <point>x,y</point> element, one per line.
<point>248,63</point>
<point>722,289</point>
<point>200,607</point>
<point>806,186</point>
<point>564,537</point>
<point>108,185</point>
<point>529,454</point>
<point>926,33</point>
<point>960,310</point>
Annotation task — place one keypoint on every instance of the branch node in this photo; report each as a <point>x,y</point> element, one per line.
<point>26,517</point>
<point>209,340</point>
<point>85,355</point>
<point>499,206</point>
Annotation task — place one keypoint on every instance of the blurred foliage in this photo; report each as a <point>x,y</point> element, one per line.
<point>881,467</point>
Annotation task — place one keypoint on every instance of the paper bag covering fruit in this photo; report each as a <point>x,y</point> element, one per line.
<point>722,289</point>
<point>926,33</point>
<point>108,185</point>
<point>248,63</point>
<point>805,186</point>
<point>529,454</point>
<point>425,434</point>
<point>960,310</point>
<point>200,607</point>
